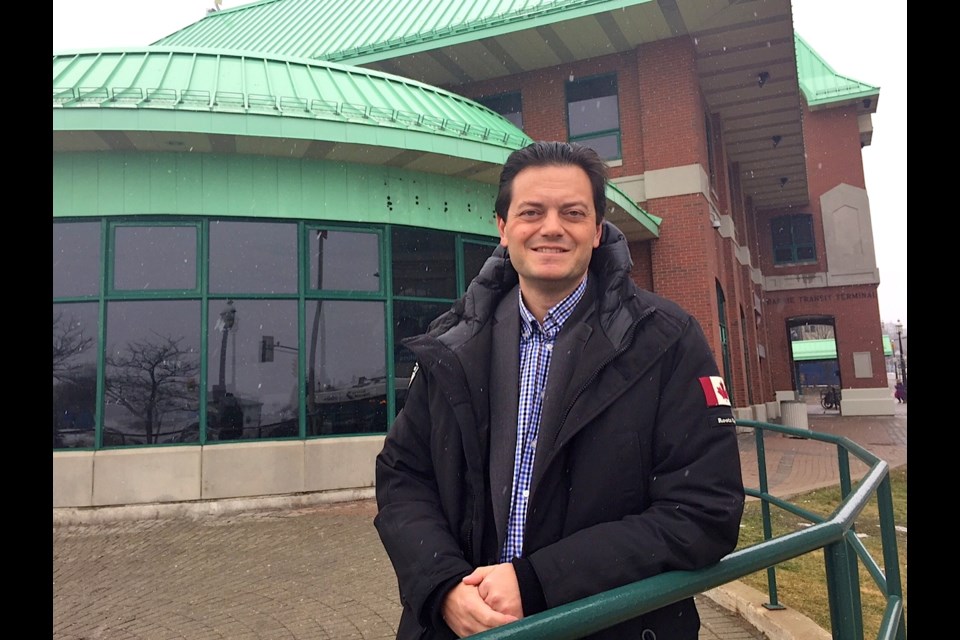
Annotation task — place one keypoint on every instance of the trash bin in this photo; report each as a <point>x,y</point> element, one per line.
<point>793,413</point>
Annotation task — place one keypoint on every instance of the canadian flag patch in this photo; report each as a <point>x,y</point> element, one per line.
<point>714,391</point>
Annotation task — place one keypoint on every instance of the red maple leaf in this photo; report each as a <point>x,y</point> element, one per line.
<point>722,391</point>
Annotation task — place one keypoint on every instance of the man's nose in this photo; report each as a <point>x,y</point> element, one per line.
<point>551,224</point>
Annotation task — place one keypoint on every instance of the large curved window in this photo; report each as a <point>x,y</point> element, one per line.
<point>76,259</point>
<point>229,330</point>
<point>253,257</point>
<point>75,349</point>
<point>155,257</point>
<point>152,371</point>
<point>252,394</point>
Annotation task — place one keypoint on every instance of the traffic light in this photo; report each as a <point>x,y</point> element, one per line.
<point>266,349</point>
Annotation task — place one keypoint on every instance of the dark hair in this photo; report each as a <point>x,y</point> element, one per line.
<point>542,154</point>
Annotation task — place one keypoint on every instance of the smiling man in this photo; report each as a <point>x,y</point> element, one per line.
<point>563,434</point>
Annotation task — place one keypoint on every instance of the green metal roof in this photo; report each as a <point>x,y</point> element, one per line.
<point>355,29</point>
<point>171,89</point>
<point>175,80</point>
<point>821,85</point>
<point>825,349</point>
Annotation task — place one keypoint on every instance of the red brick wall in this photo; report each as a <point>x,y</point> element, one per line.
<point>856,313</point>
<point>544,102</point>
<point>832,145</point>
<point>662,126</point>
<point>830,163</point>
<point>670,105</point>
<point>642,265</point>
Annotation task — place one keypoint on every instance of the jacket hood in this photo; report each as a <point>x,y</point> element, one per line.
<point>610,266</point>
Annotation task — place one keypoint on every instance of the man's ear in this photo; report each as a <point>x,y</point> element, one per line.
<point>501,227</point>
<point>596,239</point>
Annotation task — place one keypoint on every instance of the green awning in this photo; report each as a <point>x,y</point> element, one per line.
<point>826,349</point>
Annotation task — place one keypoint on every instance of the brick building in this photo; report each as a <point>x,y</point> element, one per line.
<point>715,117</point>
<point>734,151</point>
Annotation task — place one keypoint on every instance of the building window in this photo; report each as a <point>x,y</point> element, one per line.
<point>160,257</point>
<point>793,239</point>
<point>725,341</point>
<point>508,105</point>
<point>593,114</point>
<point>213,330</point>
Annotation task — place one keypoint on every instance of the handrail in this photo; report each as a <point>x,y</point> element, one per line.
<point>834,534</point>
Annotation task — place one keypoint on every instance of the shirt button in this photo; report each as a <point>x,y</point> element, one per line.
<point>549,346</point>
<point>526,493</point>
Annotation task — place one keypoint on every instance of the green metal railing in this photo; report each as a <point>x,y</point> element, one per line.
<point>834,534</point>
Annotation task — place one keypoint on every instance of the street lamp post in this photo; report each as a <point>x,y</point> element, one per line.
<point>227,321</point>
<point>903,364</point>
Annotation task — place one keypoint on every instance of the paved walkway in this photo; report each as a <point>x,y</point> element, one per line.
<point>317,572</point>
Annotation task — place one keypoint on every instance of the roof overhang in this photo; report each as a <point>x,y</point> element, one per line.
<point>169,99</point>
<point>745,58</point>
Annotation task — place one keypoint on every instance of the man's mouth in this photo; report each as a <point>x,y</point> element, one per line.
<point>549,250</point>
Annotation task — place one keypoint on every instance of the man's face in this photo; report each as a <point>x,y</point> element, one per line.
<point>551,229</point>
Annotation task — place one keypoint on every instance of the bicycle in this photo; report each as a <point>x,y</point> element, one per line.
<point>830,398</point>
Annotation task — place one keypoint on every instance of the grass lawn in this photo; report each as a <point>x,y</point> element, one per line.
<point>801,582</point>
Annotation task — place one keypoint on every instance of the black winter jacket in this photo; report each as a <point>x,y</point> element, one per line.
<point>634,474</point>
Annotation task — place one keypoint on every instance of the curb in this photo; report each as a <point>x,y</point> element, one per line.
<point>200,509</point>
<point>776,624</point>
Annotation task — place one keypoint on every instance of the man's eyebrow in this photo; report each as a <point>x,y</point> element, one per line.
<point>564,205</point>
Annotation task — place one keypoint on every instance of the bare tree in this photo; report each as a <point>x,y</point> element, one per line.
<point>152,379</point>
<point>68,343</point>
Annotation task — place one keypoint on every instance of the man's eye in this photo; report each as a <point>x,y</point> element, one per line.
<point>528,213</point>
<point>576,213</point>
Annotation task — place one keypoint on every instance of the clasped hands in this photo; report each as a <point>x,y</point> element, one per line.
<point>487,598</point>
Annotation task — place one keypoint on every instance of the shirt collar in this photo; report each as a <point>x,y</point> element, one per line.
<point>556,315</point>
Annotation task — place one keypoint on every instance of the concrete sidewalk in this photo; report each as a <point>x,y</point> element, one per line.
<point>304,568</point>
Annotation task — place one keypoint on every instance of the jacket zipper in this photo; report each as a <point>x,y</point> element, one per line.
<point>616,354</point>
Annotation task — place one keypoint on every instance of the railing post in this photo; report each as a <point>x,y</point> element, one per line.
<point>843,590</point>
<point>765,513</point>
<point>888,537</point>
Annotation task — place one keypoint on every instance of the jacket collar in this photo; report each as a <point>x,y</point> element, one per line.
<point>610,268</point>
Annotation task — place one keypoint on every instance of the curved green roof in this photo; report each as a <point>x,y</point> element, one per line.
<point>174,80</point>
<point>252,95</point>
<point>821,85</point>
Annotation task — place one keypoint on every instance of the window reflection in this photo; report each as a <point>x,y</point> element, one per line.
<point>474,255</point>
<point>155,258</point>
<point>152,372</point>
<point>75,348</point>
<point>253,257</point>
<point>423,263</point>
<point>346,367</point>
<point>252,370</point>
<point>152,391</point>
<point>76,259</point>
<point>344,260</point>
<point>409,319</point>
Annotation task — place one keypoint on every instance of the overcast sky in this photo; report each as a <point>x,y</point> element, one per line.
<point>862,39</point>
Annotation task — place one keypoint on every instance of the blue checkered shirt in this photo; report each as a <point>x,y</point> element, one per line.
<point>536,347</point>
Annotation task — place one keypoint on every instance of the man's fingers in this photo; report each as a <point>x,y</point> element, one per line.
<point>466,613</point>
<point>478,575</point>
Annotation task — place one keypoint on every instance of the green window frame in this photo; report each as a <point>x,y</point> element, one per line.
<point>793,239</point>
<point>85,317</point>
<point>593,114</point>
